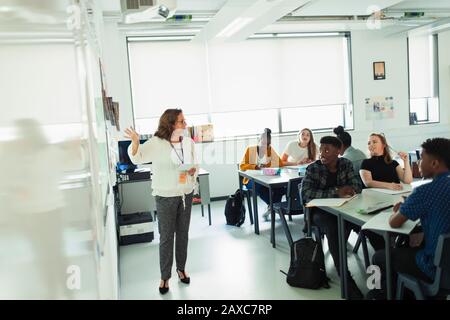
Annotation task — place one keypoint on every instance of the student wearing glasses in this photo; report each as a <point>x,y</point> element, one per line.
<point>173,179</point>
<point>381,171</point>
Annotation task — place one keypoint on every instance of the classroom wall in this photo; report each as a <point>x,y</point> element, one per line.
<point>115,66</point>
<point>370,46</point>
<point>444,74</point>
<point>220,157</point>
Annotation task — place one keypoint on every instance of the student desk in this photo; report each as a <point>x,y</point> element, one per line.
<point>203,182</point>
<point>349,212</point>
<point>137,194</point>
<point>272,183</point>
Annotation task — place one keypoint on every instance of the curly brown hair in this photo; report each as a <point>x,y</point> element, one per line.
<point>167,123</point>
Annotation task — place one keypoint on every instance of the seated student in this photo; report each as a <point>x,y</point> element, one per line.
<point>356,156</point>
<point>300,151</point>
<point>431,204</point>
<point>331,177</point>
<point>380,171</point>
<point>261,156</point>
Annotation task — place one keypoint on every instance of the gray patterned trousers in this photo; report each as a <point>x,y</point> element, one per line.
<point>173,224</point>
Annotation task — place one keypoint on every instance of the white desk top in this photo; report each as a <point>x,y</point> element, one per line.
<point>284,176</point>
<point>381,222</point>
<point>365,200</point>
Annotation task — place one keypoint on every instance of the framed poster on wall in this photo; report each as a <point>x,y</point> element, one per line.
<point>379,70</point>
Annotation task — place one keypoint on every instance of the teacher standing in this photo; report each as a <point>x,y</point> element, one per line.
<point>174,175</point>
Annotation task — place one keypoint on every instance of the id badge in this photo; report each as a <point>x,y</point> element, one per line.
<point>182,177</point>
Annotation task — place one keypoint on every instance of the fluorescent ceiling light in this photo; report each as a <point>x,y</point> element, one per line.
<point>160,38</point>
<point>295,35</point>
<point>234,27</point>
<point>162,32</point>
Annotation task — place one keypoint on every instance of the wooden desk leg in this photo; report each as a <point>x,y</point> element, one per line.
<point>387,246</point>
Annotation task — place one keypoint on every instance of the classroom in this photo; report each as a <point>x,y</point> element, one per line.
<point>283,149</point>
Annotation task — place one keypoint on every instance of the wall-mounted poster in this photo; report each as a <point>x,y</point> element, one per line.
<point>378,108</point>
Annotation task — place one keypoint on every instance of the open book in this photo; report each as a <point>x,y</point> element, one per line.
<point>328,202</point>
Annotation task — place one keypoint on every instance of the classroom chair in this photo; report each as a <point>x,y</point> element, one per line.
<point>441,283</point>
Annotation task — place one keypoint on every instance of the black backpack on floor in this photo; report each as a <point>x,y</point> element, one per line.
<point>235,209</point>
<point>307,267</point>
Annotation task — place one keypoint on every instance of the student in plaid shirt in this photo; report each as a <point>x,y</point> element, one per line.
<point>332,177</point>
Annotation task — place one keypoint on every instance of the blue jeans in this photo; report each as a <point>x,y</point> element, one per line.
<point>263,192</point>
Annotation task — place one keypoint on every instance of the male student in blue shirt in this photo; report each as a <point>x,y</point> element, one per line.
<point>431,204</point>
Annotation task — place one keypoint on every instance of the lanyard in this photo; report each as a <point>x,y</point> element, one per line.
<point>182,152</point>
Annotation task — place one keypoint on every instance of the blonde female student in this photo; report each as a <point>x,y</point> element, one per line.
<point>300,151</point>
<point>174,172</point>
<point>380,170</point>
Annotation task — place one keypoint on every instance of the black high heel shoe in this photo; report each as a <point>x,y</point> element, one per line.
<point>164,289</point>
<point>185,279</point>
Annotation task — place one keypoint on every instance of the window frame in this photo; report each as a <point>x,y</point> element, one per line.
<point>435,70</point>
<point>347,108</point>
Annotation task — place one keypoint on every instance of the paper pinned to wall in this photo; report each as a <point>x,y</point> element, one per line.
<point>378,108</point>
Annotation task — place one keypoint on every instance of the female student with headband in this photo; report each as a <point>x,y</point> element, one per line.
<point>381,171</point>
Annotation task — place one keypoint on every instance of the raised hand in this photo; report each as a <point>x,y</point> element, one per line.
<point>134,136</point>
<point>403,156</point>
<point>130,133</point>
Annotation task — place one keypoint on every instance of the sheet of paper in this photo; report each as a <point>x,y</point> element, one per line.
<point>380,221</point>
<point>406,188</point>
<point>329,202</point>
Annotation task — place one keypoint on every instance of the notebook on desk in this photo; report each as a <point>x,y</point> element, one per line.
<point>328,202</point>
